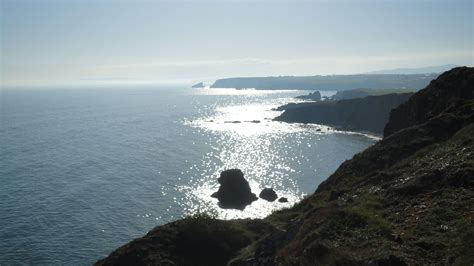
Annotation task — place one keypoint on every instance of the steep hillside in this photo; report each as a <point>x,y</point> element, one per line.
<point>408,199</point>
<point>432,100</point>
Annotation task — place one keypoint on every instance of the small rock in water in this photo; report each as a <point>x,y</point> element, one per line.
<point>282,199</point>
<point>268,194</point>
<point>234,122</point>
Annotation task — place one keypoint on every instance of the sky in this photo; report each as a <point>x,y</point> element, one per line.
<point>51,42</point>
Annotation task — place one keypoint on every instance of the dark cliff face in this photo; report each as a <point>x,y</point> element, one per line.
<point>407,200</point>
<point>431,101</point>
<point>366,114</point>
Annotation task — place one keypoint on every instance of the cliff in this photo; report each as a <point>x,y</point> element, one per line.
<point>408,199</point>
<point>451,87</point>
<point>364,114</point>
<point>332,82</point>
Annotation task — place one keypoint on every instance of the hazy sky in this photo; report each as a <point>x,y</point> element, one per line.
<point>84,41</point>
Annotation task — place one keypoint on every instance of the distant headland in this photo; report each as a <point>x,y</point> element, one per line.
<point>332,82</point>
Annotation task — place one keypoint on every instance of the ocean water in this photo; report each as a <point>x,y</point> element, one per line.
<point>84,171</point>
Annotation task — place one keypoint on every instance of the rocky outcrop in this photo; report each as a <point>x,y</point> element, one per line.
<point>195,240</point>
<point>268,194</point>
<point>366,114</point>
<point>449,88</point>
<point>234,192</point>
<point>407,200</point>
<point>313,96</point>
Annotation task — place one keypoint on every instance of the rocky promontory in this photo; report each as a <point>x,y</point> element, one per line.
<point>363,114</point>
<point>451,89</point>
<point>313,96</point>
<point>407,200</point>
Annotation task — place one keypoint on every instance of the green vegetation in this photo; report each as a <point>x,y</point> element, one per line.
<point>207,241</point>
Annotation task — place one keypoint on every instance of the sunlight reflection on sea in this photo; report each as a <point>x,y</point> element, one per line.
<point>246,137</point>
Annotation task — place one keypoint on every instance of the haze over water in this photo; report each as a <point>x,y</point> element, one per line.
<point>84,171</point>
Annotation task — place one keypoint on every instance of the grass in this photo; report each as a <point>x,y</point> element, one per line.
<point>209,241</point>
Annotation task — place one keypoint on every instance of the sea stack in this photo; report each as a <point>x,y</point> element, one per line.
<point>234,192</point>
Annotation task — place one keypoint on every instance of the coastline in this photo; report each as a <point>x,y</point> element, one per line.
<point>387,205</point>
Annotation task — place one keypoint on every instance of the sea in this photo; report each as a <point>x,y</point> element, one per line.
<point>85,170</point>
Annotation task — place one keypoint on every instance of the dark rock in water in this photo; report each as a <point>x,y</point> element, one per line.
<point>233,122</point>
<point>268,194</point>
<point>234,192</point>
<point>255,121</point>
<point>282,199</point>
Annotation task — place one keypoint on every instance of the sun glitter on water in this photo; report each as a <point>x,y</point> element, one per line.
<point>247,138</point>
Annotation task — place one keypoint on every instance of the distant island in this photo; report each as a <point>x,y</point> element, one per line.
<point>198,85</point>
<point>331,82</point>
